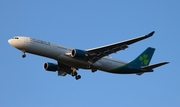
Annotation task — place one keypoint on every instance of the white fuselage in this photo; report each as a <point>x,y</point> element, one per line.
<point>58,52</point>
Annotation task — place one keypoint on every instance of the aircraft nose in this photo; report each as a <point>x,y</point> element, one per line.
<point>10,41</point>
<point>16,42</point>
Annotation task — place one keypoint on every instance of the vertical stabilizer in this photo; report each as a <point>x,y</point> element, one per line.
<point>144,58</point>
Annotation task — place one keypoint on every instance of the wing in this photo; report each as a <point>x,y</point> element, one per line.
<point>99,52</point>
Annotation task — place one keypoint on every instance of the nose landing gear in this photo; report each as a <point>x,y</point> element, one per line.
<point>23,54</point>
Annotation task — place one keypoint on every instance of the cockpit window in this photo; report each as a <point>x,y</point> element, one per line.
<point>16,38</point>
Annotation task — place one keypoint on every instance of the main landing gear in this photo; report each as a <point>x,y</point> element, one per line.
<point>74,73</point>
<point>92,68</point>
<point>23,54</point>
<point>78,77</point>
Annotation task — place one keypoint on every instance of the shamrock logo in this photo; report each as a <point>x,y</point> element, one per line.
<point>144,59</point>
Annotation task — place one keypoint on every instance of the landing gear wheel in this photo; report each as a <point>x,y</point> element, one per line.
<point>74,74</point>
<point>78,77</point>
<point>23,56</point>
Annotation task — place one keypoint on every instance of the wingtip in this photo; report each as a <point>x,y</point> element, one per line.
<point>166,62</point>
<point>150,34</point>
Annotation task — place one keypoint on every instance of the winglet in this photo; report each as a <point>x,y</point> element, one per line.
<point>150,34</point>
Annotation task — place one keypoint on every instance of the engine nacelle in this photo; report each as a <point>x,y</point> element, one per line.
<point>76,53</point>
<point>50,67</point>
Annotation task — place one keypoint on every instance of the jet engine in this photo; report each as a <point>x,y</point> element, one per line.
<point>76,53</point>
<point>50,67</point>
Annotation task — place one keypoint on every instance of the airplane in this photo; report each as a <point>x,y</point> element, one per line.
<point>69,60</point>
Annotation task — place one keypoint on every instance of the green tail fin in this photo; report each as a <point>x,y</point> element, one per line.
<point>144,58</point>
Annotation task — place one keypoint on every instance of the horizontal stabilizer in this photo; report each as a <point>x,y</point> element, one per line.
<point>151,67</point>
